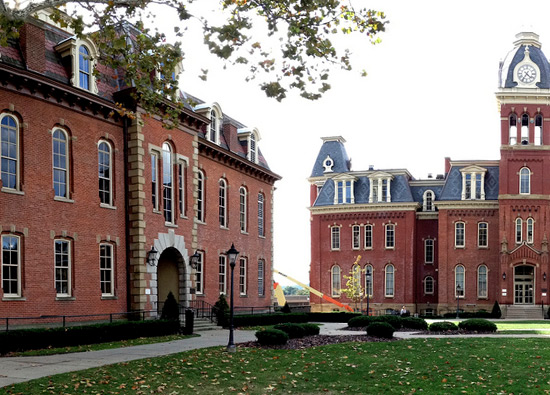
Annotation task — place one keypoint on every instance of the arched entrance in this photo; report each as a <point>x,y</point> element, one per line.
<point>524,284</point>
<point>168,274</point>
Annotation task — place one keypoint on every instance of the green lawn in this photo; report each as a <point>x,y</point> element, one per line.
<point>538,324</point>
<point>433,366</point>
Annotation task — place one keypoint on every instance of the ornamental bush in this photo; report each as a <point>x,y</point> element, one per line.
<point>380,329</point>
<point>414,323</point>
<point>340,316</point>
<point>478,325</point>
<point>271,337</point>
<point>442,326</point>
<point>294,331</point>
<point>496,313</point>
<point>310,329</point>
<point>361,321</point>
<point>241,320</point>
<point>393,320</point>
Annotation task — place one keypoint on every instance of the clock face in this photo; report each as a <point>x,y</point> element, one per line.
<point>527,74</point>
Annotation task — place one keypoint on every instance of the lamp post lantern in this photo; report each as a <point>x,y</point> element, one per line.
<point>232,255</point>
<point>458,291</point>
<point>368,277</point>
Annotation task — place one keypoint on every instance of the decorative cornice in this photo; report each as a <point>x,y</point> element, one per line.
<point>228,158</point>
<point>364,208</point>
<point>523,197</point>
<point>427,215</point>
<point>467,205</point>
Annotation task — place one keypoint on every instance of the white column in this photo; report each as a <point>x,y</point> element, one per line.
<point>388,198</point>
<point>463,186</point>
<point>371,186</point>
<point>482,186</point>
<point>473,185</point>
<point>380,189</point>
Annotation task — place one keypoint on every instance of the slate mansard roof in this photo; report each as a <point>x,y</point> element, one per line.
<point>403,187</point>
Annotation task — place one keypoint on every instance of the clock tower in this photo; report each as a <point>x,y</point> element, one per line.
<point>524,174</point>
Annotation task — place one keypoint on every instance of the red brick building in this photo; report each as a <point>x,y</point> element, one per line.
<point>85,195</point>
<point>474,235</point>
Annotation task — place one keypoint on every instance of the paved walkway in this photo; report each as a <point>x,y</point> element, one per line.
<point>19,369</point>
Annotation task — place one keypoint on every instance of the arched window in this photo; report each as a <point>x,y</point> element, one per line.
<point>519,230</point>
<point>428,201</point>
<point>390,280</point>
<point>459,281</point>
<point>525,181</point>
<point>525,129</point>
<point>429,285</point>
<point>84,69</point>
<point>368,236</point>
<point>336,284</point>
<point>538,129</point>
<point>9,152</point>
<point>530,230</point>
<point>261,215</point>
<point>243,209</point>
<point>459,234</point>
<point>482,281</point>
<point>222,198</point>
<point>369,275</point>
<point>168,183</point>
<point>513,136</point>
<point>105,173</point>
<point>200,196</point>
<point>60,163</point>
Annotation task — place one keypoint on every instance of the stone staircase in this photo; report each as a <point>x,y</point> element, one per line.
<point>524,312</point>
<point>204,324</point>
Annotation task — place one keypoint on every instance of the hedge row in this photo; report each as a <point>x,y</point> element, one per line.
<point>340,316</point>
<point>268,319</point>
<point>34,339</point>
<point>280,333</point>
<point>471,314</point>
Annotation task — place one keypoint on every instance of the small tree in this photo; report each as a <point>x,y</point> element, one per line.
<point>170,310</point>
<point>221,309</point>
<point>354,291</point>
<point>496,313</point>
<point>286,308</point>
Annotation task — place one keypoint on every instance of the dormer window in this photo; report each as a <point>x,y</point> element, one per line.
<point>213,134</point>
<point>513,136</point>
<point>328,163</point>
<point>252,148</point>
<point>213,112</point>
<point>428,204</point>
<point>83,55</point>
<point>249,139</point>
<point>344,191</point>
<point>380,190</point>
<point>473,183</point>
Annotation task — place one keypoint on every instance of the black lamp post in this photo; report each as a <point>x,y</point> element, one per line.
<point>368,277</point>
<point>458,291</point>
<point>232,254</point>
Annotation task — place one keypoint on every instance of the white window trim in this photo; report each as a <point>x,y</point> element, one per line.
<point>67,164</point>
<point>426,251</point>
<point>335,237</point>
<point>473,171</point>
<point>366,270</point>
<point>386,230</point>
<point>355,228</point>
<point>222,287</point>
<point>519,222</point>
<point>71,47</point>
<point>261,215</point>
<point>19,282</point>
<point>201,194</point>
<point>512,130</point>
<point>425,200</point>
<point>243,278</point>
<point>199,274</point>
<point>261,277</point>
<point>463,286</point>
<point>386,294</point>
<point>530,223</point>
<point>528,181</point>
<point>426,292</point>
<point>378,178</point>
<point>110,271</point>
<point>479,295</point>
<point>170,153</point>
<point>334,291</point>
<point>243,210</point>
<point>69,269</point>
<point>538,133</point>
<point>110,178</point>
<point>222,209</point>
<point>371,227</point>
<point>17,153</point>
<point>486,234</point>
<point>463,245</point>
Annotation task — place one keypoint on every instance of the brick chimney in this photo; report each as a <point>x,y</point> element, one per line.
<point>33,46</point>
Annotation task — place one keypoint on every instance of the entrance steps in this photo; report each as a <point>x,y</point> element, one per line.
<point>524,312</point>
<point>204,324</point>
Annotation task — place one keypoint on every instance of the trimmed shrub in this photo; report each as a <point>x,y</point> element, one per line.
<point>496,313</point>
<point>271,337</point>
<point>36,339</point>
<point>311,329</point>
<point>170,309</point>
<point>221,310</point>
<point>361,321</point>
<point>393,320</point>
<point>414,323</point>
<point>338,316</point>
<point>478,325</point>
<point>380,329</point>
<point>442,326</point>
<point>294,331</point>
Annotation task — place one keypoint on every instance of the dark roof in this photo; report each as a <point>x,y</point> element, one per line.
<point>337,152</point>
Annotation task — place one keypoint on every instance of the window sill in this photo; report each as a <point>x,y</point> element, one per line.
<point>483,247</point>
<point>12,191</point>
<point>224,227</point>
<point>243,232</point>
<point>335,249</point>
<point>356,249</point>
<point>198,221</point>
<point>389,296</point>
<point>261,237</point>
<point>13,298</point>
<point>64,298</point>
<point>155,211</point>
<point>170,225</point>
<point>460,247</point>
<point>389,248</point>
<point>183,216</point>
<point>63,199</point>
<point>108,206</point>
<point>243,296</point>
<point>109,297</point>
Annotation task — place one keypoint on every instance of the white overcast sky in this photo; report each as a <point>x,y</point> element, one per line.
<point>429,94</point>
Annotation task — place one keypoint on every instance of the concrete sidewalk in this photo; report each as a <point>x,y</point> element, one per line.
<point>19,369</point>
